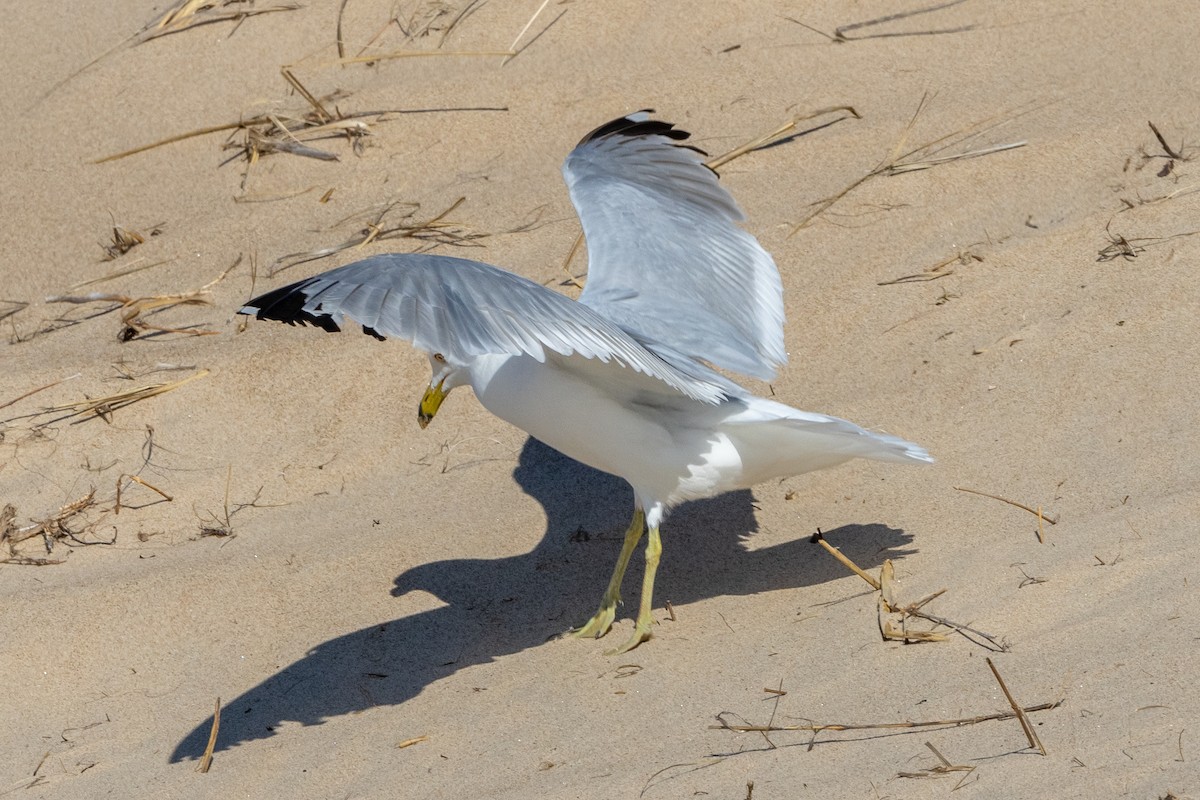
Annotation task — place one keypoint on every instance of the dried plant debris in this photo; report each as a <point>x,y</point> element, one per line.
<point>263,134</point>
<point>893,616</point>
<point>1169,153</point>
<point>103,407</point>
<point>441,19</point>
<point>122,242</point>
<point>942,769</point>
<point>183,15</point>
<point>1165,162</point>
<point>1128,249</point>
<point>68,526</point>
<point>135,309</point>
<point>398,220</point>
<point>187,14</point>
<point>941,269</point>
<point>221,527</point>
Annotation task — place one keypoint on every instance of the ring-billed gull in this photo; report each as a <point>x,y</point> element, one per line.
<point>619,379</point>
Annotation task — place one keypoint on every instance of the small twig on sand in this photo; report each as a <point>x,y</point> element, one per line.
<point>1170,151</point>
<point>819,538</point>
<point>1018,712</point>
<point>206,759</point>
<point>1036,512</point>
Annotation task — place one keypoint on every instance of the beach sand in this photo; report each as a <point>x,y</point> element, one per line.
<point>377,606</point>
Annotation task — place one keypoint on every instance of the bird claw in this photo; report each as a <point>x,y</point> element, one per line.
<point>598,625</point>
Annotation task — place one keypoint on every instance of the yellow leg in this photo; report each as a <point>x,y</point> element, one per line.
<point>642,631</point>
<point>602,620</point>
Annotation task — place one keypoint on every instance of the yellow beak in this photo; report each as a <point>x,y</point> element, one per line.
<point>430,403</point>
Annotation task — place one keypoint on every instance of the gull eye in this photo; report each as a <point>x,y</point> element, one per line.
<point>439,357</point>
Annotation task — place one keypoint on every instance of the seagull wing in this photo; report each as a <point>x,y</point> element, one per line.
<point>465,309</point>
<point>666,259</point>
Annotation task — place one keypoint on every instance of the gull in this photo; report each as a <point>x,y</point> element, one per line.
<point>623,379</point>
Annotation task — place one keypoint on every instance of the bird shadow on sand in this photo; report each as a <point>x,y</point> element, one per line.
<point>497,607</point>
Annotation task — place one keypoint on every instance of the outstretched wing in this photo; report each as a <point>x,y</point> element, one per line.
<point>666,259</point>
<point>465,309</point>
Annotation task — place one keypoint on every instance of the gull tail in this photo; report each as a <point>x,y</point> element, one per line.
<point>777,441</point>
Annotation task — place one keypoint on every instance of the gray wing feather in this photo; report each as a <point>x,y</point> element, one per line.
<point>465,309</point>
<point>666,259</point>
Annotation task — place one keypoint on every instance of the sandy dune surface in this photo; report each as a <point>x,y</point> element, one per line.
<point>377,606</point>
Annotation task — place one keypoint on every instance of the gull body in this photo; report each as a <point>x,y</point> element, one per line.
<point>620,379</point>
<point>701,449</point>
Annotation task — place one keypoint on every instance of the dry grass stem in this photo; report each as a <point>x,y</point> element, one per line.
<point>103,407</point>
<point>137,480</point>
<point>1018,712</point>
<point>206,759</point>
<point>188,14</point>
<point>915,166</point>
<point>130,270</point>
<point>1182,191</point>
<point>411,742</point>
<point>939,270</point>
<point>819,538</point>
<point>518,50</point>
<point>1036,512</point>
<point>785,131</point>
<point>816,728</point>
<point>32,392</point>
<point>513,46</point>
<point>371,59</point>
<point>341,40</point>
<point>921,157</point>
<point>307,95</point>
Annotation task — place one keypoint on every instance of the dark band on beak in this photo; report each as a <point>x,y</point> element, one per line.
<point>431,401</point>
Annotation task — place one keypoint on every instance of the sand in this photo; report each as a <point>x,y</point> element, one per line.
<point>377,606</point>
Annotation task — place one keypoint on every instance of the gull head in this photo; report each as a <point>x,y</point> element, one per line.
<point>446,375</point>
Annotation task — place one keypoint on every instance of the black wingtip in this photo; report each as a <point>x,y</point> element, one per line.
<point>633,126</point>
<point>286,304</point>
